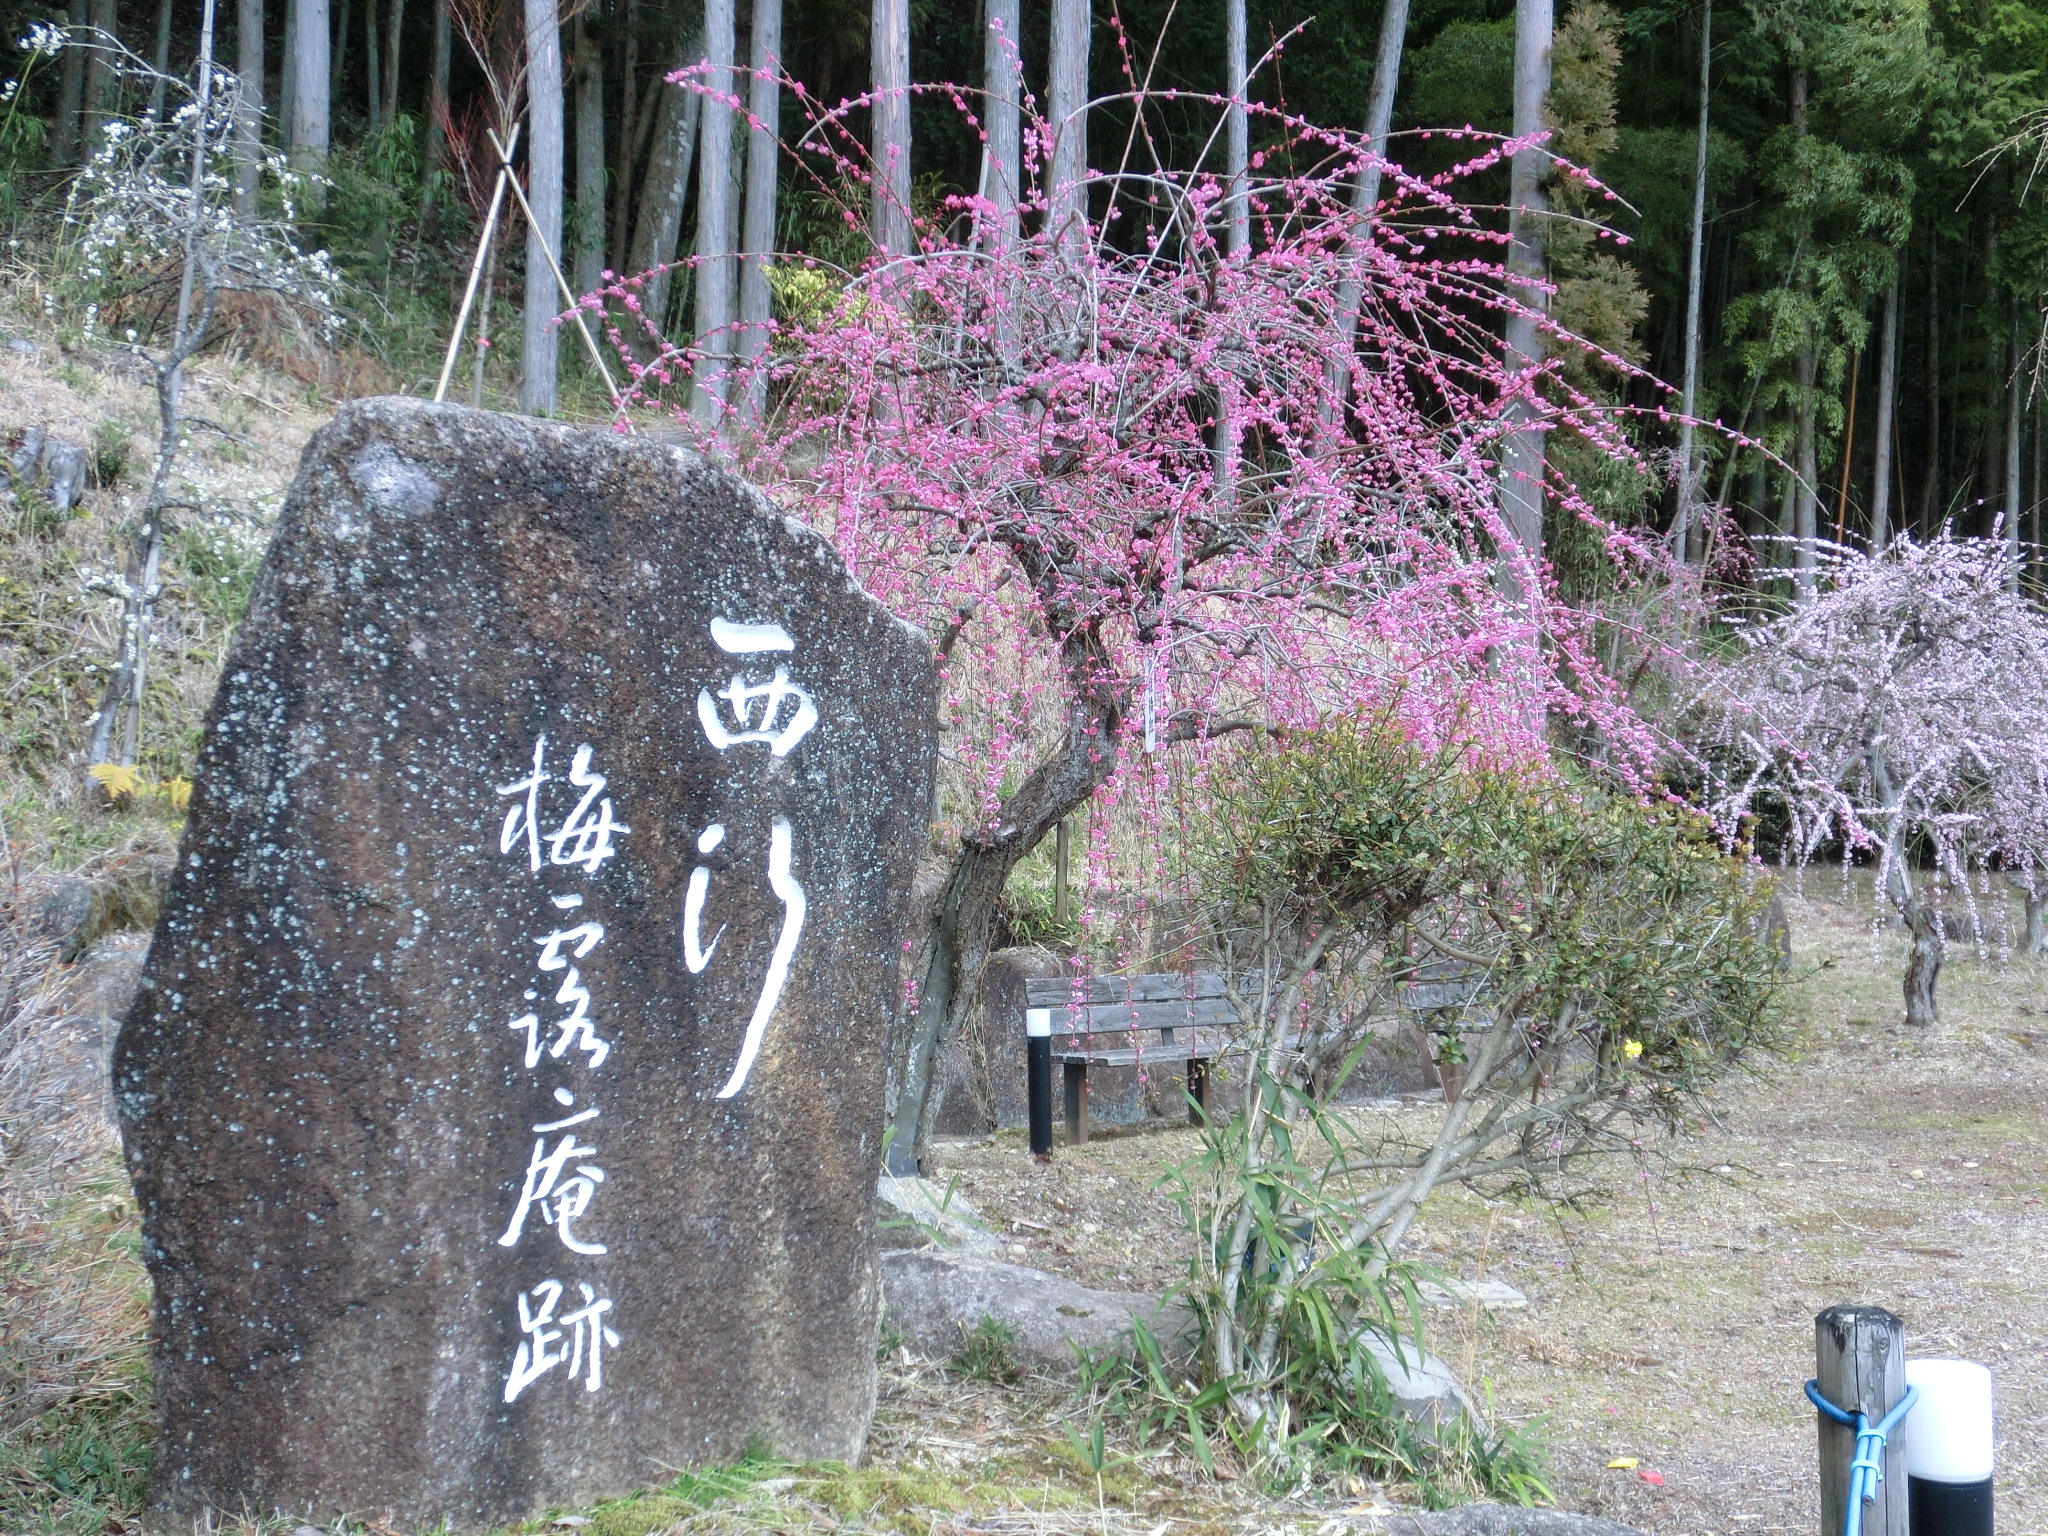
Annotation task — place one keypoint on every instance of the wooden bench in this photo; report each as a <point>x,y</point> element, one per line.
<point>1188,1014</point>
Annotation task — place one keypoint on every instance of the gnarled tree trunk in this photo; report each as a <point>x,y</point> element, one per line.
<point>955,947</point>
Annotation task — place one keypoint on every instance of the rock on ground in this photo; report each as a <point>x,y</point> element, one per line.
<point>935,1299</point>
<point>927,1212</point>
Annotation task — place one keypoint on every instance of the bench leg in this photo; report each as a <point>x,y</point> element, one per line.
<point>1198,1092</point>
<point>1077,1102</point>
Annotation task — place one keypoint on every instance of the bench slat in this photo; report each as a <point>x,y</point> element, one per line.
<point>1168,987</point>
<point>1115,1018</point>
<point>1126,1058</point>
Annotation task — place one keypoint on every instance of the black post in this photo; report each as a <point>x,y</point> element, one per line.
<point>1038,1077</point>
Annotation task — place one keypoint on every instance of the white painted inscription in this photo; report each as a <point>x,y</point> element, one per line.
<point>757,708</point>
<point>776,714</point>
<point>563,1172</point>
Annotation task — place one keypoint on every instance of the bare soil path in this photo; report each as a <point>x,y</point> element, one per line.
<point>1670,1321</point>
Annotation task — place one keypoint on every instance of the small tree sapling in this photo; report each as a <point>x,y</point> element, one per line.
<point>155,205</point>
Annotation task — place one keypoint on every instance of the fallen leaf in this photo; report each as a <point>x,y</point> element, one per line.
<point>1654,1479</point>
<point>1621,1463</point>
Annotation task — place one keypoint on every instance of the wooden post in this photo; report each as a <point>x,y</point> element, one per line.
<point>1077,1102</point>
<point>1860,1364</point>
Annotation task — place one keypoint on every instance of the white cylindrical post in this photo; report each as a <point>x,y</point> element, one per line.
<point>1948,1448</point>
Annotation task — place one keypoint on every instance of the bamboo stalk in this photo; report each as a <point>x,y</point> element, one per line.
<point>561,282</point>
<point>476,270</point>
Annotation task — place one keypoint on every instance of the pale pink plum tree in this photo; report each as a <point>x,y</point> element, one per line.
<point>1902,708</point>
<point>1014,444</point>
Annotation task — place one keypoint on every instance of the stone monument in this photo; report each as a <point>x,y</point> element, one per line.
<point>503,1096</point>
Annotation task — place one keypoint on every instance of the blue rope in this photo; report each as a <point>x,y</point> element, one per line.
<point>1866,1471</point>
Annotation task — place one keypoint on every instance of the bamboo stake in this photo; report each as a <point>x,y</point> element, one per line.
<point>476,269</point>
<point>561,282</point>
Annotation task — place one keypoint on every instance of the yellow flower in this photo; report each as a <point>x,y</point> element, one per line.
<point>1632,1049</point>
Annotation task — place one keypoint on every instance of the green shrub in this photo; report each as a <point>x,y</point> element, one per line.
<point>1611,961</point>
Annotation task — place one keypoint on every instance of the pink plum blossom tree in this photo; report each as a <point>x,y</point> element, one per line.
<point>1015,443</point>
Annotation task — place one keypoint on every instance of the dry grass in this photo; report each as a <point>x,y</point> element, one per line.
<point>59,577</point>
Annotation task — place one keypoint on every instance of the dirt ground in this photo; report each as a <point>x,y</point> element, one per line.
<point>1672,1321</point>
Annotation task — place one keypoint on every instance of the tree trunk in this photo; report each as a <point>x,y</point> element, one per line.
<point>1805,510</point>
<point>161,58</point>
<point>2014,386</point>
<point>310,92</point>
<point>288,76</point>
<point>764,163</point>
<point>102,82</point>
<point>2034,549</point>
<point>1887,406</point>
<point>889,125</point>
<point>1365,195</point>
<point>1923,964</point>
<point>1806,466</point>
<point>339,60</point>
<point>666,186</point>
<point>394,37</point>
<point>1521,460</point>
<point>64,135</point>
<point>249,117</point>
<point>631,110</point>
<point>1067,106</point>
<point>1002,84</point>
<point>1688,473</point>
<point>1929,481</point>
<point>956,945</point>
<point>589,161</point>
<point>372,70</point>
<point>1237,150</point>
<point>538,338</point>
<point>437,129</point>
<point>715,234</point>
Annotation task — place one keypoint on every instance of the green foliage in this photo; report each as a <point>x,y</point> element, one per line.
<point>219,562</point>
<point>1465,76</point>
<point>1617,963</point>
<point>1026,913</point>
<point>376,187</point>
<point>1598,297</point>
<point>988,1352</point>
<point>80,1470</point>
<point>109,454</point>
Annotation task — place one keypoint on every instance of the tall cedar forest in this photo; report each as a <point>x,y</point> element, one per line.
<point>1872,233</point>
